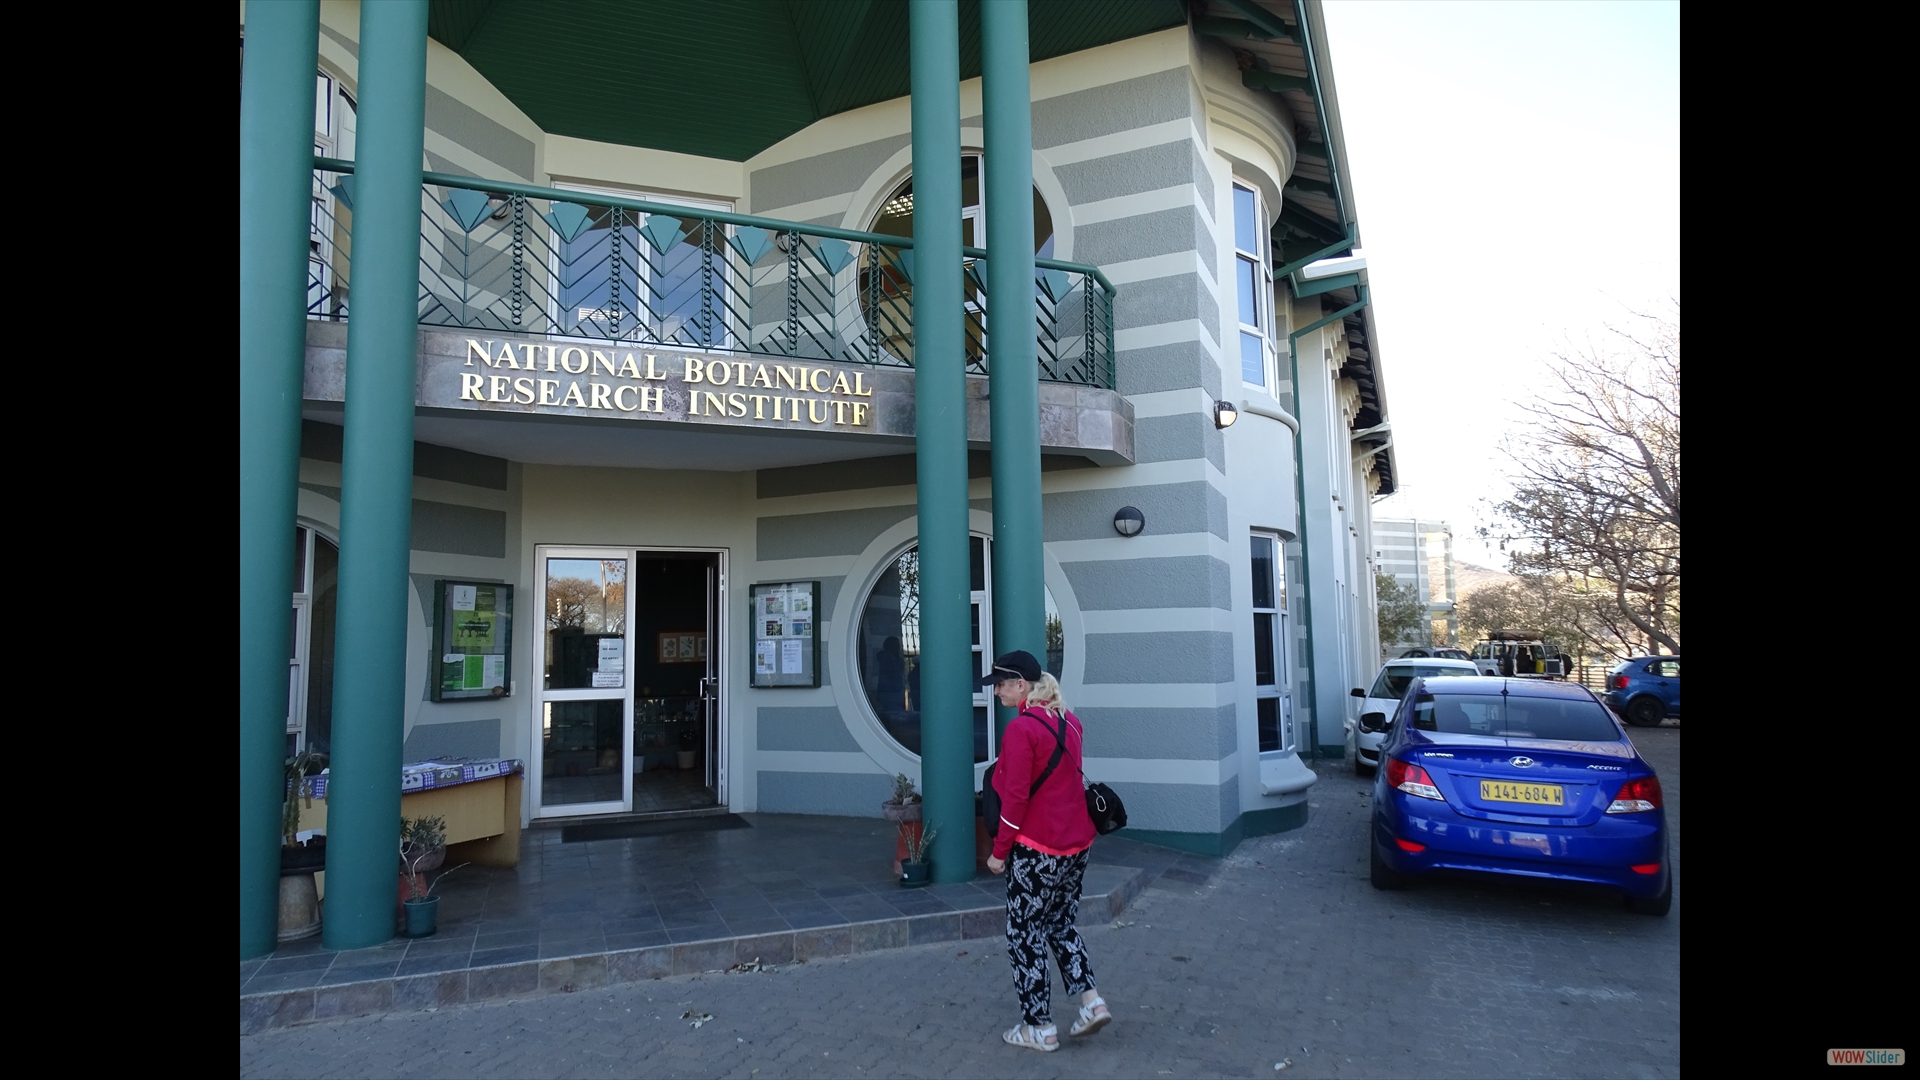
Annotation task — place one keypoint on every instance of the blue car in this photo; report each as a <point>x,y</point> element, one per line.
<point>1527,777</point>
<point>1645,689</point>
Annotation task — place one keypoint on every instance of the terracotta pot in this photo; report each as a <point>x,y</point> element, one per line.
<point>900,812</point>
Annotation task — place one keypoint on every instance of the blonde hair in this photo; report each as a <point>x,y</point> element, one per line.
<point>1045,691</point>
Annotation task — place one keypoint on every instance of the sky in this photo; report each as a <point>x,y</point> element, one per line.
<point>1516,172</point>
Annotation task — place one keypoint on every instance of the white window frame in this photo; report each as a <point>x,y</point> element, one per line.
<point>1279,689</point>
<point>1261,325</point>
<point>330,139</point>
<point>541,696</point>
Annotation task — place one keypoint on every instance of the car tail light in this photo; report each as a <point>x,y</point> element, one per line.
<point>1409,846</point>
<point>1619,682</point>
<point>1637,796</point>
<point>1646,868</point>
<point>1412,779</point>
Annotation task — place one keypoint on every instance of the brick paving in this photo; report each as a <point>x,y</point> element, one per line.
<point>1280,953</point>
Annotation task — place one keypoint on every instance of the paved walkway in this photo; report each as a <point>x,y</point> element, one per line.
<point>1281,954</point>
<point>775,888</point>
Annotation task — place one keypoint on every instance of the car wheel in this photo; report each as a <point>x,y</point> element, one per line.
<point>1645,712</point>
<point>1657,905</point>
<point>1382,875</point>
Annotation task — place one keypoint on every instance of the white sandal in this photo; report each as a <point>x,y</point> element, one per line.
<point>1033,1038</point>
<point>1092,1018</point>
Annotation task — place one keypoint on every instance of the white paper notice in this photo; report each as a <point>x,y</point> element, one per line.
<point>790,658</point>
<point>494,671</point>
<point>606,680</point>
<point>463,597</point>
<point>613,655</point>
<point>763,657</point>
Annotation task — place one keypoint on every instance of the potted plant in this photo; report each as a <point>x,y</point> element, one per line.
<point>903,809</point>
<point>299,896</point>
<point>918,869</point>
<point>905,804</point>
<point>689,747</point>
<point>423,847</point>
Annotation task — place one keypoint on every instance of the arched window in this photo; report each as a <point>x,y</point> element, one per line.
<point>883,288</point>
<point>888,647</point>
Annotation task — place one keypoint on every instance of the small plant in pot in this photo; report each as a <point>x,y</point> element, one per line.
<point>689,752</point>
<point>905,804</point>
<point>423,847</point>
<point>918,868</point>
<point>299,894</point>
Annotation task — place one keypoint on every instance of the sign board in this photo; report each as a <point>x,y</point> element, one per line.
<point>472,640</point>
<point>786,634</point>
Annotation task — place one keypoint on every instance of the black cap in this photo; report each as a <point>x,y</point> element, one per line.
<point>1018,664</point>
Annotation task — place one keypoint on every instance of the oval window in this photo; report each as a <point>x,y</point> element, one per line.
<point>887,644</point>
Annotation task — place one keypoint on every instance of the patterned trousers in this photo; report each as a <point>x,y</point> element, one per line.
<point>1043,902</point>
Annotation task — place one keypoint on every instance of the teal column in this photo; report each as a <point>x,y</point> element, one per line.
<point>376,501</point>
<point>276,177</point>
<point>940,441</point>
<point>1013,393</point>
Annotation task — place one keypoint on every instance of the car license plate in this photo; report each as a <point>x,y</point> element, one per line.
<point>1532,794</point>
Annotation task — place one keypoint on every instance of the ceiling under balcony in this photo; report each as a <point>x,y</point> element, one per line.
<point>729,78</point>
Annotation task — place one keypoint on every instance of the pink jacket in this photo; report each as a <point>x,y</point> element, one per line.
<point>1056,818</point>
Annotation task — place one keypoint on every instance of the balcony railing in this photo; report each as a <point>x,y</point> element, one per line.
<point>516,259</point>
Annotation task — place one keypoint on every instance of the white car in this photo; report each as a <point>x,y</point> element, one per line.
<point>1365,732</point>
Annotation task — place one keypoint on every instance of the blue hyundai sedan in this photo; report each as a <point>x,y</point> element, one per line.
<point>1527,777</point>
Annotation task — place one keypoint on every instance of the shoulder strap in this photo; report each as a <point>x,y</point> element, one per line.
<point>1054,761</point>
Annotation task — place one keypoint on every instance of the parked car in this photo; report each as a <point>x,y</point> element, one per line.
<point>1525,777</point>
<point>1383,700</point>
<point>1519,654</point>
<point>1442,652</point>
<point>1645,690</point>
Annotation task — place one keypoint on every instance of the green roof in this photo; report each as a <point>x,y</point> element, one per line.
<point>729,78</point>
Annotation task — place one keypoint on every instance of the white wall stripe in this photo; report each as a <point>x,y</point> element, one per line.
<point>1160,771</point>
<point>1120,142</point>
<point>1143,202</point>
<point>1167,333</point>
<point>1175,264</point>
<point>1158,620</point>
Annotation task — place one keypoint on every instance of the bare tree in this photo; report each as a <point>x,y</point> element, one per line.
<point>1596,501</point>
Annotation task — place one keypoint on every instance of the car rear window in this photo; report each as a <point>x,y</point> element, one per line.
<point>1395,678</point>
<point>1515,717</point>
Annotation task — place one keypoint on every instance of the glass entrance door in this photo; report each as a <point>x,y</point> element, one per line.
<point>583,719</point>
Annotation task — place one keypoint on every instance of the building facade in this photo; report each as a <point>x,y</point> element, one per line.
<point>652,434</point>
<point>1419,554</point>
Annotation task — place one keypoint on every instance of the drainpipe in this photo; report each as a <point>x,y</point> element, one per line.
<point>1300,500</point>
<point>276,112</point>
<point>376,479</point>
<point>940,440</point>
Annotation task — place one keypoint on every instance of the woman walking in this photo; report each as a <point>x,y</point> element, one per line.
<point>1042,844</point>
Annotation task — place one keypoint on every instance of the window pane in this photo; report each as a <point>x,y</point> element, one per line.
<point>982,716</point>
<point>581,751</point>
<point>1253,360</point>
<point>1263,666</point>
<point>889,647</point>
<point>1056,638</point>
<point>1263,572</point>
<point>977,552</point>
<point>1246,221</point>
<point>299,560</point>
<point>326,581</point>
<point>1247,277</point>
<point>1269,722</point>
<point>969,182</point>
<point>586,603</point>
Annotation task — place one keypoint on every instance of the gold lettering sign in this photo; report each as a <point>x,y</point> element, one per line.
<point>634,383</point>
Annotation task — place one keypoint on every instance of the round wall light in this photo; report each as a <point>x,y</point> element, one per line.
<point>1129,521</point>
<point>1224,414</point>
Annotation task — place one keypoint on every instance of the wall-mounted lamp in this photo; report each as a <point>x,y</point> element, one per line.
<point>1224,414</point>
<point>1129,521</point>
